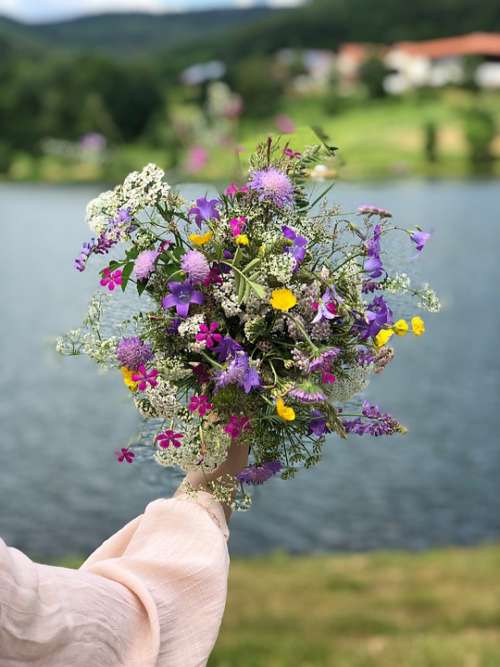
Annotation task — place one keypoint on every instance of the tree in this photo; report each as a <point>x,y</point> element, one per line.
<point>372,74</point>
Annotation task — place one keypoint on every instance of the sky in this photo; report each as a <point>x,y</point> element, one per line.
<point>47,10</point>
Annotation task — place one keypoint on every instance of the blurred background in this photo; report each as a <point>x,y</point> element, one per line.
<point>388,553</point>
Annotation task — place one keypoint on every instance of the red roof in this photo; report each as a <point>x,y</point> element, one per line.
<point>474,44</point>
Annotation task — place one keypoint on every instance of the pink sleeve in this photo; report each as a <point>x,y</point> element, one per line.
<point>153,595</point>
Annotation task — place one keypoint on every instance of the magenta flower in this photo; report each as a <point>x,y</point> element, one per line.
<point>111,279</point>
<point>181,296</point>
<point>284,124</point>
<point>238,225</point>
<point>124,454</point>
<point>169,437</point>
<point>326,308</point>
<point>209,335</point>
<point>205,209</point>
<point>293,155</point>
<point>236,426</point>
<point>200,371</point>
<point>232,190</point>
<point>214,277</point>
<point>200,404</point>
<point>420,238</point>
<point>328,378</point>
<point>144,377</point>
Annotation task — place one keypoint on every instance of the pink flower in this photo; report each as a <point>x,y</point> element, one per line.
<point>238,225</point>
<point>284,124</point>
<point>207,334</point>
<point>293,155</point>
<point>144,378</point>
<point>236,426</point>
<point>200,404</point>
<point>232,190</point>
<point>111,279</point>
<point>214,277</point>
<point>327,378</point>
<point>197,158</point>
<point>168,438</point>
<point>124,454</point>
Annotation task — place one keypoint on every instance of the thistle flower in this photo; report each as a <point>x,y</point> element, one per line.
<point>145,264</point>
<point>307,392</point>
<point>195,264</point>
<point>272,186</point>
<point>133,352</point>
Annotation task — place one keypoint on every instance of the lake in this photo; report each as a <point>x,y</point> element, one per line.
<point>62,492</point>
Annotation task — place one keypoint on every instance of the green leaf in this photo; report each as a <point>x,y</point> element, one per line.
<point>259,290</point>
<point>126,273</point>
<point>141,286</point>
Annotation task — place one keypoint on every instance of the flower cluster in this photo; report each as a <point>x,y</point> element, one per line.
<point>262,319</point>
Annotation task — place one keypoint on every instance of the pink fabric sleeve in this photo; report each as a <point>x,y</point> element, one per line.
<point>152,595</point>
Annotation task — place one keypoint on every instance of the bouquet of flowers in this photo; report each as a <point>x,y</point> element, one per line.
<point>261,318</point>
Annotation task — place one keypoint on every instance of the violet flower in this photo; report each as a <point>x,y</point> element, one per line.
<point>318,424</point>
<point>239,372</point>
<point>182,295</point>
<point>377,315</point>
<point>325,308</point>
<point>227,347</point>
<point>258,474</point>
<point>420,238</point>
<point>205,209</point>
<point>298,247</point>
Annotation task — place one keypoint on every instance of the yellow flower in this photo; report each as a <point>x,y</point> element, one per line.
<point>283,299</point>
<point>400,328</point>
<point>383,337</point>
<point>285,412</point>
<point>241,239</point>
<point>200,239</point>
<point>127,378</point>
<point>417,326</point>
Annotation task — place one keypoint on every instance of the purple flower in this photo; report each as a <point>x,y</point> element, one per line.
<point>373,263</point>
<point>173,326</point>
<point>379,423</point>
<point>133,352</point>
<point>365,357</point>
<point>195,264</point>
<point>318,424</point>
<point>236,426</point>
<point>239,372</point>
<point>145,264</point>
<point>324,360</point>
<point>369,210</point>
<point>298,247</point>
<point>205,209</point>
<point>325,308</point>
<point>111,279</point>
<point>307,393</point>
<point>258,474</point>
<point>420,238</point>
<point>273,186</point>
<point>200,404</point>
<point>227,347</point>
<point>377,315</point>
<point>181,296</point>
<point>200,371</point>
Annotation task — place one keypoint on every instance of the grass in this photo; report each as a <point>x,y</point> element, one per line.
<point>439,608</point>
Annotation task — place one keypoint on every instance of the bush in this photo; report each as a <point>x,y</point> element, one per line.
<point>372,74</point>
<point>261,92</point>
<point>479,132</point>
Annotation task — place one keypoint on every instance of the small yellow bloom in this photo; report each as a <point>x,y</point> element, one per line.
<point>283,299</point>
<point>285,412</point>
<point>127,378</point>
<point>383,337</point>
<point>200,239</point>
<point>241,239</point>
<point>400,328</point>
<point>417,325</point>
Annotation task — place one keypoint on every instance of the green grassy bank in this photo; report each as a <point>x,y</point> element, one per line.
<point>438,608</point>
<point>376,139</point>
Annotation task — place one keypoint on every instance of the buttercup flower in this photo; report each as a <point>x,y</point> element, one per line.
<point>283,299</point>
<point>200,239</point>
<point>242,239</point>
<point>417,325</point>
<point>285,412</point>
<point>127,378</point>
<point>383,337</point>
<point>400,327</point>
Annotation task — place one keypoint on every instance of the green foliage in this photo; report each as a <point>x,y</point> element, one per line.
<point>253,79</point>
<point>372,74</point>
<point>430,141</point>
<point>479,131</point>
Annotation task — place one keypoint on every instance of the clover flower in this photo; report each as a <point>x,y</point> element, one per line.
<point>145,264</point>
<point>195,264</point>
<point>132,352</point>
<point>272,186</point>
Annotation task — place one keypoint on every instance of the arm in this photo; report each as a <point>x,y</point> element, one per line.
<point>237,459</point>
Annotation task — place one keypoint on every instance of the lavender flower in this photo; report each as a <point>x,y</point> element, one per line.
<point>324,360</point>
<point>325,308</point>
<point>205,209</point>
<point>133,352</point>
<point>145,264</point>
<point>298,247</point>
<point>318,424</point>
<point>195,264</point>
<point>377,315</point>
<point>273,186</point>
<point>239,372</point>
<point>181,296</point>
<point>259,473</point>
<point>307,392</point>
<point>420,238</point>
<point>227,347</point>
<point>379,424</point>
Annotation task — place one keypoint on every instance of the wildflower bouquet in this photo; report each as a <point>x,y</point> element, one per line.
<point>264,315</point>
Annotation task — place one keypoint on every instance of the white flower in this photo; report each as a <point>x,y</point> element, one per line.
<point>142,189</point>
<point>428,299</point>
<point>189,327</point>
<point>101,210</point>
<point>399,283</point>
